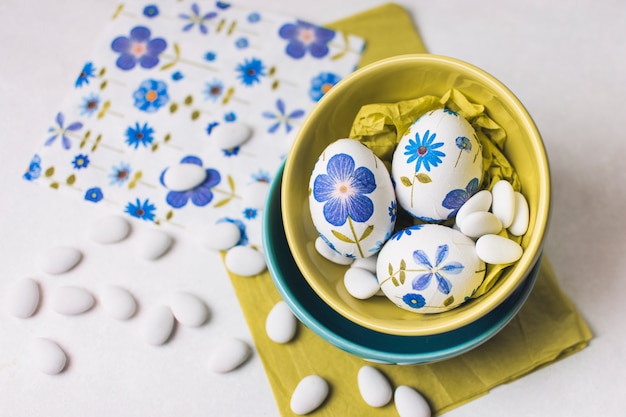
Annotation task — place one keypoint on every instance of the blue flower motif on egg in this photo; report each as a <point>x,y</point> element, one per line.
<point>343,191</point>
<point>424,151</point>
<point>456,198</point>
<point>201,195</point>
<point>444,285</point>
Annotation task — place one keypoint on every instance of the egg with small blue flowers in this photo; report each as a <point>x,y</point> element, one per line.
<point>351,199</point>
<point>437,165</point>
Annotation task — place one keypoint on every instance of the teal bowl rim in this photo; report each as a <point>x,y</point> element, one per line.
<point>361,341</point>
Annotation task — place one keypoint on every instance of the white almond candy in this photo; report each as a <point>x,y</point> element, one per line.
<point>110,229</point>
<point>71,301</point>
<point>23,298</point>
<point>183,177</point>
<point>159,325</point>
<point>154,244</point>
<point>522,214</point>
<point>47,356</point>
<point>326,251</point>
<point>59,260</point>
<point>117,302</point>
<point>494,249</point>
<point>281,324</point>
<point>481,201</point>
<point>360,283</point>
<point>309,394</point>
<point>221,236</point>
<point>410,403</point>
<point>255,195</point>
<point>480,223</point>
<point>188,309</point>
<point>369,263</point>
<point>244,261</point>
<point>230,135</point>
<point>374,387</point>
<point>503,205</point>
<point>228,355</point>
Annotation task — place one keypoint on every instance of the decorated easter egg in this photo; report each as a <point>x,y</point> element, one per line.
<point>351,198</point>
<point>429,268</point>
<point>437,165</point>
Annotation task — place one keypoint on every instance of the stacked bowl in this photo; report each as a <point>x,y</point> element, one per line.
<point>376,329</point>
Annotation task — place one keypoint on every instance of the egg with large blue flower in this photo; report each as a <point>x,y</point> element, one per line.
<point>437,165</point>
<point>429,268</point>
<point>351,199</point>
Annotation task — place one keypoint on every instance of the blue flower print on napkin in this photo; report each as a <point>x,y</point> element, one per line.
<point>250,71</point>
<point>139,135</point>
<point>138,48</point>
<point>88,71</point>
<point>89,105</point>
<point>60,130</point>
<point>200,195</point>
<point>424,151</point>
<point>34,169</point>
<point>143,211</point>
<point>321,84</point>
<point>120,174</point>
<point>304,37</point>
<point>456,198</point>
<point>343,190</point>
<point>151,11</point>
<point>421,282</point>
<point>282,117</point>
<point>80,161</point>
<point>196,18</point>
<point>151,96</point>
<point>94,195</point>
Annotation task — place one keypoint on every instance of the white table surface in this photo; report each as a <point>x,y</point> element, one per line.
<point>566,61</point>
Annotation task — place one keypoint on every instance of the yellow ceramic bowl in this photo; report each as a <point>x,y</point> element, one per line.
<point>390,80</point>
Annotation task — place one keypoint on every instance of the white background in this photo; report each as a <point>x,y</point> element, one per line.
<point>565,60</point>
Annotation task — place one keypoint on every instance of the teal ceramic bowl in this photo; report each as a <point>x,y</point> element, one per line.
<point>363,342</point>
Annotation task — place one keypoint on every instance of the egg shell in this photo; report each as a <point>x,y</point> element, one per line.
<point>245,261</point>
<point>71,300</point>
<point>228,355</point>
<point>519,226</point>
<point>352,200</point>
<point>429,268</point>
<point>281,325</point>
<point>498,250</point>
<point>503,206</point>
<point>230,135</point>
<point>360,283</point>
<point>480,223</point>
<point>118,302</point>
<point>437,165</point>
<point>369,263</point>
<point>221,236</point>
<point>188,309</point>
<point>153,244</point>
<point>59,260</point>
<point>109,229</point>
<point>159,325</point>
<point>329,253</point>
<point>184,176</point>
<point>481,201</point>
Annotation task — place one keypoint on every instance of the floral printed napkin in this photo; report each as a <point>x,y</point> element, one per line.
<point>163,77</point>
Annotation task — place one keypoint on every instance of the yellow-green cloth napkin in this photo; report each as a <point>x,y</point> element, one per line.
<point>547,328</point>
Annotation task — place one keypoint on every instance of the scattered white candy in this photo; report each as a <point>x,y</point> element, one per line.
<point>494,249</point>
<point>228,355</point>
<point>110,229</point>
<point>244,261</point>
<point>521,219</point>
<point>481,201</point>
<point>374,387</point>
<point>480,223</point>
<point>255,195</point>
<point>369,263</point>
<point>22,298</point>
<point>309,394</point>
<point>70,300</point>
<point>159,325</point>
<point>221,236</point>
<point>47,356</point>
<point>59,259</point>
<point>410,403</point>
<point>503,205</point>
<point>324,250</point>
<point>153,244</point>
<point>281,324</point>
<point>188,309</point>
<point>118,302</point>
<point>183,177</point>
<point>230,135</point>
<point>360,283</point>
